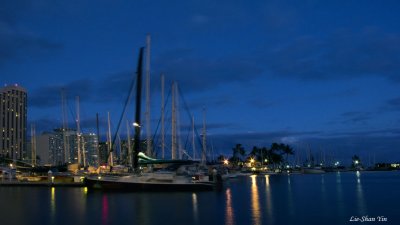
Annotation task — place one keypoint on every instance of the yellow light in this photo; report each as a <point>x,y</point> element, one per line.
<point>252,160</point>
<point>99,177</point>
<point>226,162</point>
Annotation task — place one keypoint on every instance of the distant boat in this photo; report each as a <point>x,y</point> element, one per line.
<point>313,170</point>
<point>180,175</point>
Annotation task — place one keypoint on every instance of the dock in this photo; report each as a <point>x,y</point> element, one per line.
<point>41,184</point>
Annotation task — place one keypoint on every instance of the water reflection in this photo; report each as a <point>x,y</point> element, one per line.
<point>104,210</point>
<point>360,195</point>
<point>255,203</point>
<point>269,199</point>
<point>195,209</point>
<point>53,203</point>
<point>229,216</point>
<point>339,196</point>
<point>290,197</point>
<point>323,189</point>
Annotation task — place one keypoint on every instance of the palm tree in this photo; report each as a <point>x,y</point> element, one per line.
<point>286,149</point>
<point>256,153</point>
<point>238,153</point>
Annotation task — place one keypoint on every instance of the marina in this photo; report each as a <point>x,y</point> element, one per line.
<point>199,112</point>
<point>331,198</point>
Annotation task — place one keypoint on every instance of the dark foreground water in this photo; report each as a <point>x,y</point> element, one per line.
<point>334,198</point>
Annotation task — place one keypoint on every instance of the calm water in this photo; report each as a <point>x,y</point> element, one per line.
<point>279,199</point>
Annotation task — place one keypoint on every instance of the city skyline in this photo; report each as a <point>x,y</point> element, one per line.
<point>319,75</point>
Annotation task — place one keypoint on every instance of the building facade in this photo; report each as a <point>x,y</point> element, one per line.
<point>13,116</point>
<point>61,147</point>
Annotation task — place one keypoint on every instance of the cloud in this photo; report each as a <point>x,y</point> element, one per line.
<point>19,44</point>
<point>196,74</point>
<point>341,55</point>
<point>50,96</point>
<point>356,117</point>
<point>393,104</point>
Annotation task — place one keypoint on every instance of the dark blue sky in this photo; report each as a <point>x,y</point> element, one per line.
<point>318,74</point>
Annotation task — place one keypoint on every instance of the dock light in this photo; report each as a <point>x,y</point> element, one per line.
<point>287,166</point>
<point>356,162</point>
<point>253,169</point>
<point>336,163</point>
<point>99,177</point>
<point>52,179</point>
<point>136,124</point>
<point>226,162</point>
<point>265,160</point>
<point>251,160</point>
<point>11,165</point>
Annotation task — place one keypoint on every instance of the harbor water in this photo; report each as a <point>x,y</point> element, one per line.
<point>331,198</point>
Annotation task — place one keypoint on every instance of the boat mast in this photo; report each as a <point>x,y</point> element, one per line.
<point>162,117</point>
<point>148,128</point>
<point>83,151</point>
<point>173,147</point>
<point>129,151</point>
<point>136,146</point>
<point>193,142</point>
<point>178,124</point>
<point>203,154</point>
<point>111,158</point>
<point>98,140</point>
<point>78,132</point>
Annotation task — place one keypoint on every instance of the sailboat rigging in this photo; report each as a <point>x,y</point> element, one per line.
<point>179,175</point>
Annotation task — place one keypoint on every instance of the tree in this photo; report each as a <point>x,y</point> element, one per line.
<point>256,153</point>
<point>238,153</point>
<point>286,149</point>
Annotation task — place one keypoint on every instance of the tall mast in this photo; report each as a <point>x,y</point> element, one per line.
<point>162,117</point>
<point>193,140</point>
<point>83,151</point>
<point>129,151</point>
<point>98,140</point>
<point>33,144</point>
<point>111,158</point>
<point>136,146</point>
<point>78,132</point>
<point>148,128</point>
<point>203,154</point>
<point>173,147</point>
<point>177,121</point>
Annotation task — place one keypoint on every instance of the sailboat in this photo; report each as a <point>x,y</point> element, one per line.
<point>178,175</point>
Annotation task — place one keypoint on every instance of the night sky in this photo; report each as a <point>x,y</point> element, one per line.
<point>319,75</point>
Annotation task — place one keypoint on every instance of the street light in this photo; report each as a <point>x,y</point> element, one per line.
<point>136,124</point>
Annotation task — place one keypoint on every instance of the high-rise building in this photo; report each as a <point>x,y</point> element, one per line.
<point>13,114</point>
